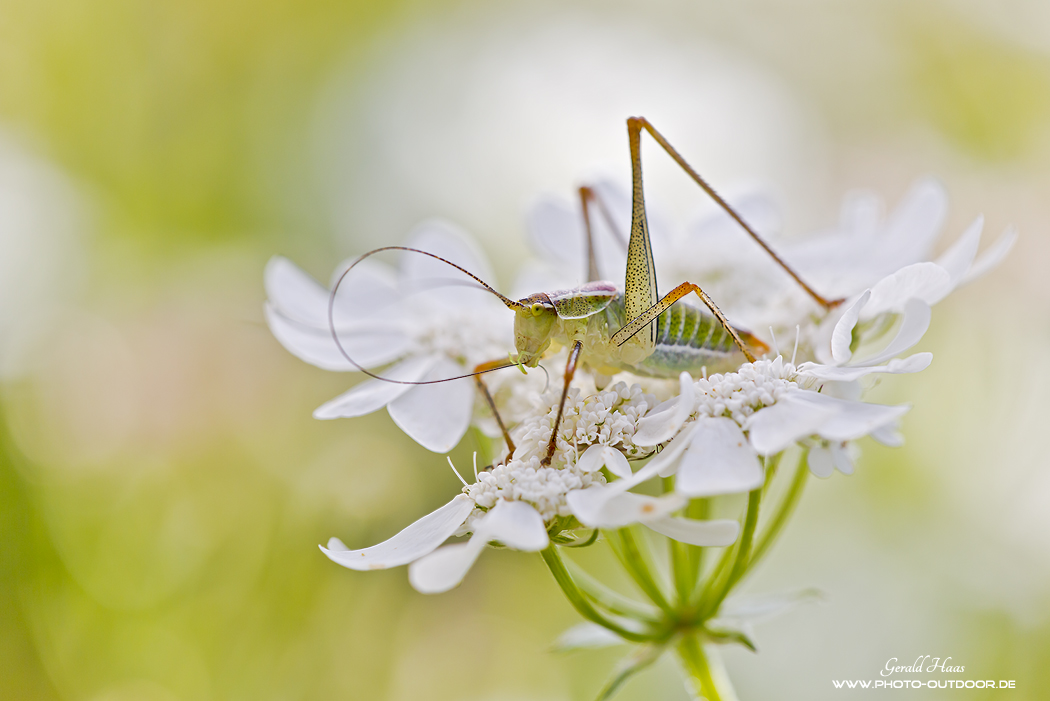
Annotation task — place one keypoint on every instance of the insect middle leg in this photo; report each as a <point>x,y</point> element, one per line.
<point>570,371</point>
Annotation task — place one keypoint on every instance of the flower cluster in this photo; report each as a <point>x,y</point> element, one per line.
<point>576,462</point>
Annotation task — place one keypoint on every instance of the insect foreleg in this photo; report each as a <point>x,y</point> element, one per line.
<point>570,370</point>
<point>649,315</point>
<point>484,367</point>
<point>634,128</point>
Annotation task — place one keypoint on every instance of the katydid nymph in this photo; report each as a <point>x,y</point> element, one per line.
<point>608,329</point>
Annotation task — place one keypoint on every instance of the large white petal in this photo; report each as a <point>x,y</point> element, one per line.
<point>555,229</point>
<point>898,366</point>
<point>415,541</point>
<point>714,533</point>
<point>805,413</point>
<point>719,460</point>
<point>436,416</point>
<point>915,320</point>
<point>515,524</point>
<point>926,281</point>
<point>861,213</point>
<point>959,258</point>
<point>438,284</point>
<point>842,336</point>
<point>667,419</point>
<point>599,507</point>
<point>857,419</point>
<point>598,456</point>
<point>369,344</point>
<point>373,394</point>
<point>368,292</point>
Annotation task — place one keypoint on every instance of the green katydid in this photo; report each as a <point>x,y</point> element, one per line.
<point>608,330</point>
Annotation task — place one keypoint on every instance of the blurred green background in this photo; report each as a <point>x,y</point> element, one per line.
<point>162,483</point>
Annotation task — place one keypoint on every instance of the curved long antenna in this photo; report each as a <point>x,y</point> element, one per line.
<point>335,334</point>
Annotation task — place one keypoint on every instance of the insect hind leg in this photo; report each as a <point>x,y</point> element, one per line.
<point>635,125</point>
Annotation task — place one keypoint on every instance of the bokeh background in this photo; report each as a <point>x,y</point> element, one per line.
<point>162,483</point>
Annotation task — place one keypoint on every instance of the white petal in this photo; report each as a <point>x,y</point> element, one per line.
<point>959,258</point>
<point>663,423</point>
<point>587,636</point>
<point>794,416</point>
<point>598,456</point>
<point>515,524</point>
<point>415,541</point>
<point>719,460</point>
<point>857,419</point>
<point>842,336</point>
<point>914,223</point>
<point>926,281</point>
<point>368,292</point>
<point>444,568</point>
<point>369,344</point>
<point>439,284</point>
<point>714,533</point>
<point>889,435</point>
<point>666,463</point>
<point>991,257</point>
<point>373,394</point>
<point>840,459</point>
<point>898,366</point>
<point>596,507</point>
<point>436,416</point>
<point>915,320</point>
<point>820,463</point>
<point>295,293</point>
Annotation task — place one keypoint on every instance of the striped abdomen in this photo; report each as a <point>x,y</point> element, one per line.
<point>687,339</point>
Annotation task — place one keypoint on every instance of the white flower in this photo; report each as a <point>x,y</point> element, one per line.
<point>425,317</point>
<point>515,503</point>
<point>866,248</point>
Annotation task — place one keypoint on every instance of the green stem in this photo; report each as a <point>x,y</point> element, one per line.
<point>784,510</point>
<point>637,566</point>
<point>717,591</point>
<point>580,602</point>
<point>698,510</point>
<point>698,669</point>
<point>685,560</point>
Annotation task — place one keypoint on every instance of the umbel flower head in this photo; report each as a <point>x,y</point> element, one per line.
<point>625,453</point>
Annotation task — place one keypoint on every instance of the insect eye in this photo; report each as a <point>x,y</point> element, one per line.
<point>537,309</point>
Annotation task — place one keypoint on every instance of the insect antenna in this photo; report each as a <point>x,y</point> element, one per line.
<point>335,334</point>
